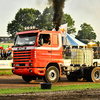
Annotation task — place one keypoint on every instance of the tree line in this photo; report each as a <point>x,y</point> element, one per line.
<point>32,17</point>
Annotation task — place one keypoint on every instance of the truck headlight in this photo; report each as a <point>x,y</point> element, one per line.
<point>17,64</point>
<point>31,64</point>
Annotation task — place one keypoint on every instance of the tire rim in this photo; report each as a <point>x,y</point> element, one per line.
<point>52,75</point>
<point>97,75</point>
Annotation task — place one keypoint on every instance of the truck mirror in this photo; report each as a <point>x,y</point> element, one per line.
<point>15,40</point>
<point>41,41</point>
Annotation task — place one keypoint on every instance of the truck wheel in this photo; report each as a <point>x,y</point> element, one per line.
<point>95,74</point>
<point>27,78</point>
<point>52,75</point>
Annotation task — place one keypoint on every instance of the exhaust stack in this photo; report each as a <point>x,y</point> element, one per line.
<point>58,6</point>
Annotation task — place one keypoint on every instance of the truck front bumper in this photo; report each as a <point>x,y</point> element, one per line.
<point>29,71</point>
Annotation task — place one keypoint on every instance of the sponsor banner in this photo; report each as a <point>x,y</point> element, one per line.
<point>6,64</point>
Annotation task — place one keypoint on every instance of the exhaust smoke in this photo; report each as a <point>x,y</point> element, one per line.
<point>58,6</point>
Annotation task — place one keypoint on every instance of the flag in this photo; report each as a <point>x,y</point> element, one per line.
<point>63,30</point>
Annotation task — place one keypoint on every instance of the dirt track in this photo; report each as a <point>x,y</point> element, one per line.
<point>64,95</point>
<point>15,81</point>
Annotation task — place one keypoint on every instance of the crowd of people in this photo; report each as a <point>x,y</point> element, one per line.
<point>6,54</point>
<point>96,54</point>
<point>67,53</point>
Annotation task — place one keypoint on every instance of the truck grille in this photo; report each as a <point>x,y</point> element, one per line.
<point>22,56</point>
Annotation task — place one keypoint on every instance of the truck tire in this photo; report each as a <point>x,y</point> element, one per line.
<point>95,74</point>
<point>52,75</point>
<point>27,78</point>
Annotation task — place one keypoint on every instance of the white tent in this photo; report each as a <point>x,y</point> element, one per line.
<point>68,39</point>
<point>72,41</point>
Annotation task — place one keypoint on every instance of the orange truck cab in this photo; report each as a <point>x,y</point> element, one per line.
<point>38,54</point>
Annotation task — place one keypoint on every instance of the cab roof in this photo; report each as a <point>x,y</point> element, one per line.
<point>26,32</point>
<point>36,31</point>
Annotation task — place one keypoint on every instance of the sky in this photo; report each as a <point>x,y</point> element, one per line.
<point>80,10</point>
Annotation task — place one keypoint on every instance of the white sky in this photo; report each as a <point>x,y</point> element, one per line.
<point>80,10</point>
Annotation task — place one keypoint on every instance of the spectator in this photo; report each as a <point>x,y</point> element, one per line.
<point>9,48</point>
<point>47,40</point>
<point>99,53</point>
<point>10,55</point>
<point>8,52</point>
<point>40,41</point>
<point>4,55</point>
<point>96,56</point>
<point>0,54</point>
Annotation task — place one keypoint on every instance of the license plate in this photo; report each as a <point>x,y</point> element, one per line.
<point>22,48</point>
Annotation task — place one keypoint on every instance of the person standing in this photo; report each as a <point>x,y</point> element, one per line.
<point>4,55</point>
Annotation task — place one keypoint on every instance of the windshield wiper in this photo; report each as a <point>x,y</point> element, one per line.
<point>17,45</point>
<point>23,45</point>
<point>27,44</point>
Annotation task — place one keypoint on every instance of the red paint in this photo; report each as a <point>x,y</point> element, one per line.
<point>39,57</point>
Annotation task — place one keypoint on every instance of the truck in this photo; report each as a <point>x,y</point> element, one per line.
<point>39,54</point>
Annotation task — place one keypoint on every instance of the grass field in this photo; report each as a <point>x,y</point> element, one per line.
<point>5,71</point>
<point>53,88</point>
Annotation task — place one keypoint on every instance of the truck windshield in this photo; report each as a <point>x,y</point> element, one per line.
<point>25,39</point>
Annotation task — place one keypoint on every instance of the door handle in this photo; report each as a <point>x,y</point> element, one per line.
<point>49,51</point>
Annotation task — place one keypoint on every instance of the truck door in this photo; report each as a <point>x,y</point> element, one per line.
<point>44,50</point>
<point>56,48</point>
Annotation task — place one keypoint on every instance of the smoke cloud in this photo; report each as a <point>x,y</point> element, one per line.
<point>58,6</point>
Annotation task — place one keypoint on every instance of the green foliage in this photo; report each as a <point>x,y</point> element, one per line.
<point>10,41</point>
<point>24,17</point>
<point>68,19</point>
<point>98,42</point>
<point>46,19</point>
<point>5,71</point>
<point>29,17</point>
<point>86,32</point>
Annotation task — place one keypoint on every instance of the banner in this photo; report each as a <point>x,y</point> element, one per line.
<point>63,29</point>
<point>6,64</point>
